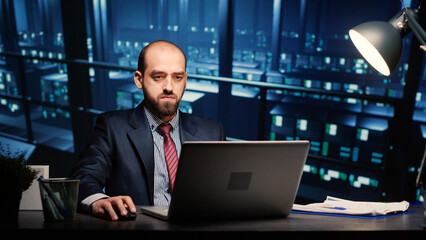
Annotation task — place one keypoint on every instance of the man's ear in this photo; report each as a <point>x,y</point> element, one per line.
<point>186,80</point>
<point>138,79</point>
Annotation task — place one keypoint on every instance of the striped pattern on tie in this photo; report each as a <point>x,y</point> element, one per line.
<point>170,153</point>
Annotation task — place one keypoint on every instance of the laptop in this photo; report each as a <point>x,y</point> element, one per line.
<point>234,180</point>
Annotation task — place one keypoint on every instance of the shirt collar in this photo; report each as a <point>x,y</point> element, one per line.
<point>155,121</point>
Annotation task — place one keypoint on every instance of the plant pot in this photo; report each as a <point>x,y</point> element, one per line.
<point>10,202</point>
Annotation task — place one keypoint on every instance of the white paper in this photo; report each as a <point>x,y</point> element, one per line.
<point>342,206</point>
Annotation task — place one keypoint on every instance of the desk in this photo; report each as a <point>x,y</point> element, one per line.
<point>406,225</point>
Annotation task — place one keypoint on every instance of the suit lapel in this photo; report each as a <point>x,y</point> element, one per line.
<point>188,130</point>
<point>141,137</point>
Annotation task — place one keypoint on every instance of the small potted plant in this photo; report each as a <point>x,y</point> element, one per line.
<point>15,177</point>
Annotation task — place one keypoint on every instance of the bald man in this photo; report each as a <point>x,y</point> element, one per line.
<point>124,163</point>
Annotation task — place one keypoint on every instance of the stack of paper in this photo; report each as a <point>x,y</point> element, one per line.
<point>341,206</point>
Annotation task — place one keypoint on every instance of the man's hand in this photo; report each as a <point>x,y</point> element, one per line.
<point>104,207</point>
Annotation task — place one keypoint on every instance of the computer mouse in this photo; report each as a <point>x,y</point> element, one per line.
<point>128,217</point>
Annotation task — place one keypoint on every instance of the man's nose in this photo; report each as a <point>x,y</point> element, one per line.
<point>168,87</point>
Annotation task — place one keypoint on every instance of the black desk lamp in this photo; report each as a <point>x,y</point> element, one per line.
<point>380,43</point>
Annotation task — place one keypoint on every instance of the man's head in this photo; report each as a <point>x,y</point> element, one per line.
<point>162,76</point>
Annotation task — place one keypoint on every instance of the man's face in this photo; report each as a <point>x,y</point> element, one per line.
<point>164,80</point>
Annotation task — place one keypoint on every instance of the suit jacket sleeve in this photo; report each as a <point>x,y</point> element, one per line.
<point>94,164</point>
<point>118,160</point>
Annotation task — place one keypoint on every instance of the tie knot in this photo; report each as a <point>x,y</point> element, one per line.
<point>164,129</point>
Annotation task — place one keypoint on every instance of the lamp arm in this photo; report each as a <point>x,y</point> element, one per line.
<point>417,29</point>
<point>420,175</point>
<point>422,168</point>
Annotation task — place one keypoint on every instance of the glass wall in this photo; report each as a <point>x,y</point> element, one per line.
<point>39,34</point>
<point>316,52</point>
<point>119,31</point>
<point>292,43</point>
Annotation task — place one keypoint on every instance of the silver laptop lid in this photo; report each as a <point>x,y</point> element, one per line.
<point>237,179</point>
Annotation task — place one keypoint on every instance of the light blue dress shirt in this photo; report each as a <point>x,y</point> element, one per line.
<point>161,176</point>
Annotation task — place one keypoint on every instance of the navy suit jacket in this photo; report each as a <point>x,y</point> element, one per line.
<point>120,155</point>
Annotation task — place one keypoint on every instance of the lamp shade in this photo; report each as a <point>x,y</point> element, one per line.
<point>380,43</point>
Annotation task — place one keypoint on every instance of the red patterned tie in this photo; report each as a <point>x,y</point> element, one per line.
<point>170,153</point>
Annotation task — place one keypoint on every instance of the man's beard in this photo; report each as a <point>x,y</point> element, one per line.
<point>161,110</point>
